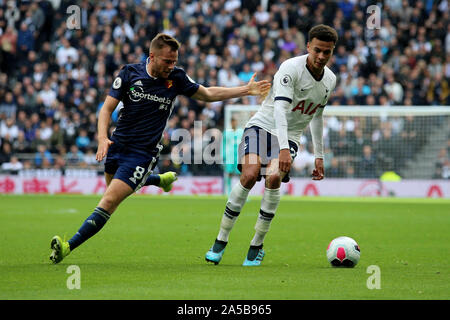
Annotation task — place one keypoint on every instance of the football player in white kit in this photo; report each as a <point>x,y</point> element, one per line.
<point>301,89</point>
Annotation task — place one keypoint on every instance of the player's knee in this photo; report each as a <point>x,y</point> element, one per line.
<point>249,178</point>
<point>109,203</point>
<point>273,181</point>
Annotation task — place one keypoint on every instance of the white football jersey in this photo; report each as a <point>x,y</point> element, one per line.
<point>307,97</point>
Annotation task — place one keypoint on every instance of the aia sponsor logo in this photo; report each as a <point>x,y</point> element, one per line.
<point>309,110</point>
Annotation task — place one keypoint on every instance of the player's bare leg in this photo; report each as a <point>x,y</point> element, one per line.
<point>108,178</point>
<point>115,193</point>
<point>269,204</point>
<point>251,166</point>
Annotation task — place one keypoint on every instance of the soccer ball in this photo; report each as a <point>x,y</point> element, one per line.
<point>343,252</point>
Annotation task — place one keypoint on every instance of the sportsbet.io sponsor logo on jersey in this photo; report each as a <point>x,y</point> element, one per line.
<point>137,94</point>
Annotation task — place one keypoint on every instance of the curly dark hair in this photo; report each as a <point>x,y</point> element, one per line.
<point>324,33</point>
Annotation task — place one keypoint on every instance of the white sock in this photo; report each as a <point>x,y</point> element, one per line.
<point>236,200</point>
<point>269,205</point>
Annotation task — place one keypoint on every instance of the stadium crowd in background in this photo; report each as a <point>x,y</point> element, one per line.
<point>55,71</point>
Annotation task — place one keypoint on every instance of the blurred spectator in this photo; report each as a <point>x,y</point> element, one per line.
<point>46,130</point>
<point>89,158</point>
<point>25,39</point>
<point>74,157</point>
<point>42,157</point>
<point>227,77</point>
<point>29,131</point>
<point>56,138</point>
<point>358,142</point>
<point>360,90</point>
<point>409,137</point>
<point>442,161</point>
<point>47,95</point>
<point>288,44</point>
<point>367,164</point>
<point>8,107</point>
<point>439,90</point>
<point>340,56</point>
<point>347,7</point>
<point>66,53</point>
<point>107,14</point>
<point>387,148</point>
<point>245,74</point>
<point>446,170</point>
<point>394,89</point>
<point>8,49</point>
<point>123,32</point>
<point>261,15</point>
<point>82,141</point>
<point>38,141</point>
<point>350,172</point>
<point>335,170</point>
<point>438,172</point>
<point>21,145</point>
<point>6,152</point>
<point>60,163</point>
<point>13,166</point>
<point>9,130</point>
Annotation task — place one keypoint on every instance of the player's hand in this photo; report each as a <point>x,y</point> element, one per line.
<point>258,88</point>
<point>102,150</point>
<point>318,172</point>
<point>284,160</point>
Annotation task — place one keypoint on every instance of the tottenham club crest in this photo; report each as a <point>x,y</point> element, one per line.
<point>286,80</point>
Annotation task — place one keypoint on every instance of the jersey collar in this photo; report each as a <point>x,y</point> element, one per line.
<point>146,70</point>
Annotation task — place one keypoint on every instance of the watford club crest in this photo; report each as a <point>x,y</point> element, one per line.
<point>169,84</point>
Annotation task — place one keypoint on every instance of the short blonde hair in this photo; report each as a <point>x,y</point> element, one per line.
<point>162,40</point>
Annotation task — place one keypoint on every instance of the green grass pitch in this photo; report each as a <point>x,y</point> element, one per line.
<point>153,247</point>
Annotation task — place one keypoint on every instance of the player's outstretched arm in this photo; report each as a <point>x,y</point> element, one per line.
<point>103,125</point>
<point>316,127</point>
<point>252,88</point>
